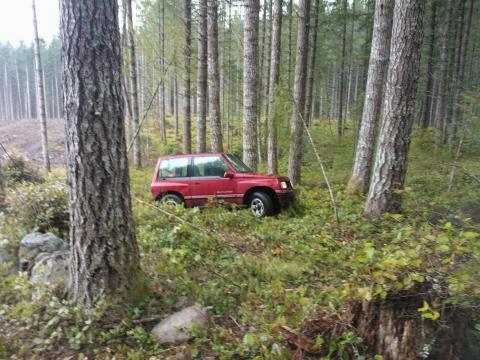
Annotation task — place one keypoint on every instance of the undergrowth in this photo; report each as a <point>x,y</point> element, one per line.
<point>256,276</point>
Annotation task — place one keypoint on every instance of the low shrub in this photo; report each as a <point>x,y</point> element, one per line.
<point>16,169</point>
<point>42,207</point>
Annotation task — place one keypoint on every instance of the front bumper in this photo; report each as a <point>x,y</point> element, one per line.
<point>285,198</point>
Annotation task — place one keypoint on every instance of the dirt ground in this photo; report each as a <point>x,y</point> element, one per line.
<point>23,137</point>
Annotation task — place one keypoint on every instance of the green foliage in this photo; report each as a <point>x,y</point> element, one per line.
<point>256,275</point>
<point>17,169</point>
<point>37,206</point>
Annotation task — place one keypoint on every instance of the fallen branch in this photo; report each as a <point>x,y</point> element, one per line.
<point>137,130</point>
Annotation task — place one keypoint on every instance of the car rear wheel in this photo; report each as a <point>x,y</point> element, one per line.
<point>171,200</point>
<point>261,205</point>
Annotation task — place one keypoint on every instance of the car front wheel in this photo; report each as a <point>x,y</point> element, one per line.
<point>261,205</point>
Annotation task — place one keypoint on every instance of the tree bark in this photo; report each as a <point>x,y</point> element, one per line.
<point>104,251</point>
<point>161,89</point>
<point>312,64</point>
<point>455,74</point>
<point>250,83</point>
<point>341,119</point>
<point>137,151</point>
<point>442,79</point>
<point>289,52</point>
<point>187,55</point>
<point>425,119</point>
<point>459,86</point>
<point>19,94</point>
<point>28,103</point>
<point>272,156</point>
<point>268,55</point>
<point>377,71</point>
<point>41,111</point>
<point>214,77</point>
<point>202,78</point>
<point>296,127</point>
<point>394,139</point>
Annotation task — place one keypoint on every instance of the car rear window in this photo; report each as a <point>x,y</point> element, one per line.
<point>172,168</point>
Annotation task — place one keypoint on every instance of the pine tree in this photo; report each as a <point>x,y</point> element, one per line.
<point>250,83</point>
<point>394,138</point>
<point>214,77</point>
<point>104,253</point>
<point>377,71</point>
<point>296,127</point>
<point>41,110</point>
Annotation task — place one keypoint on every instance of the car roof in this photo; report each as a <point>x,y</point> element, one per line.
<point>190,155</point>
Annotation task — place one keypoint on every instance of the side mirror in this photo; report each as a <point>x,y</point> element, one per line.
<point>229,175</point>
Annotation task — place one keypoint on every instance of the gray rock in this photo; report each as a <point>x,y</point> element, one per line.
<point>35,243</point>
<point>176,327</point>
<point>41,256</point>
<point>52,268</point>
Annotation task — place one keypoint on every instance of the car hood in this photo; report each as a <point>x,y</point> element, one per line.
<point>260,176</point>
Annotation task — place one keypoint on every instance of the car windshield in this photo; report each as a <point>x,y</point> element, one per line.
<point>238,164</point>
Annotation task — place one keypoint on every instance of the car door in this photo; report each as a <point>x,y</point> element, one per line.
<point>208,180</point>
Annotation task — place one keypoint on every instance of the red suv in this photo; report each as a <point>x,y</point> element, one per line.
<point>196,178</point>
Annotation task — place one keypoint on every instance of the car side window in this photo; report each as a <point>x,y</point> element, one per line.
<point>209,166</point>
<point>173,168</point>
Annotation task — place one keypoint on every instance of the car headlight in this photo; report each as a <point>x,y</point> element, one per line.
<point>283,185</point>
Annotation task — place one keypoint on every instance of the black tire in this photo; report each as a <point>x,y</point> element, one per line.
<point>171,199</point>
<point>261,205</point>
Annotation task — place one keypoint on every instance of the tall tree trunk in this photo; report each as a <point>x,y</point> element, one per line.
<point>57,93</point>
<point>267,56</point>
<point>176,97</point>
<point>230,81</point>
<point>333,92</point>
<point>28,102</point>
<point>41,112</point>
<point>260,84</point>
<point>187,55</point>
<point>272,157</point>
<point>104,253</point>
<point>19,93</point>
<point>394,139</point>
<point>161,92</point>
<point>296,127</point>
<point>425,119</point>
<point>456,73</point>
<point>442,79</point>
<point>202,78</point>
<point>341,118</point>
<point>350,65</point>
<point>459,86</point>
<point>137,151</point>
<point>289,52</point>
<point>250,83</point>
<point>311,65</point>
<point>214,77</point>
<point>377,71</point>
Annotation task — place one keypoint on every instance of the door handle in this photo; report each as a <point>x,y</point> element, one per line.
<point>196,183</point>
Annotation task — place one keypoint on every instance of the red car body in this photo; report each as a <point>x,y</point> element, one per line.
<point>198,178</point>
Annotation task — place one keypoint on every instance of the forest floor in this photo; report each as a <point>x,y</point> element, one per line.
<point>23,138</point>
<point>283,287</point>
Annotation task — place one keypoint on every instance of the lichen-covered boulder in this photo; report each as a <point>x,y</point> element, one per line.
<point>177,327</point>
<point>36,243</point>
<point>52,268</point>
